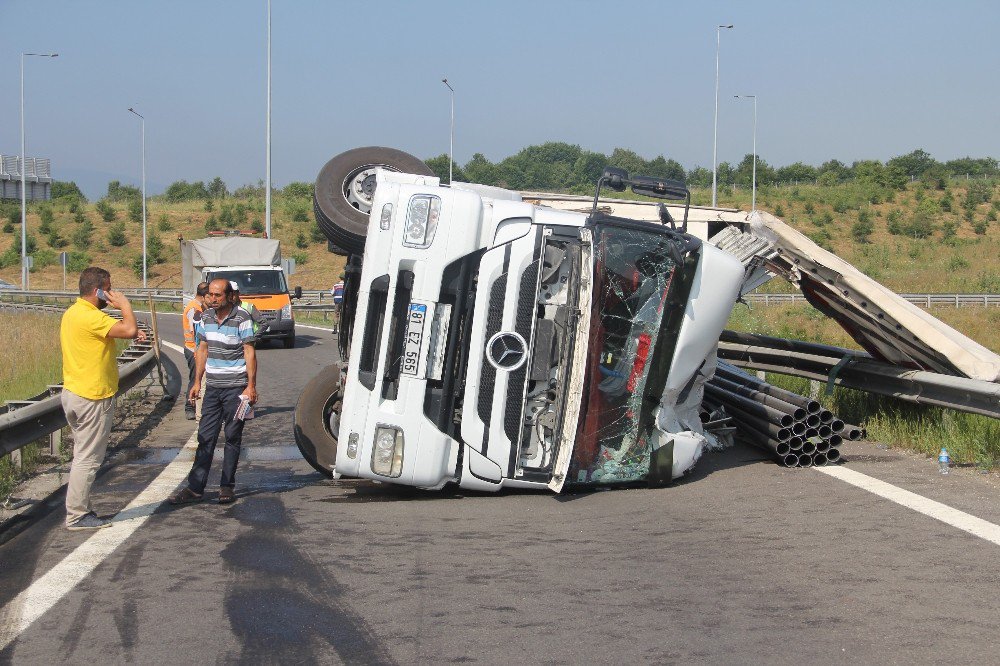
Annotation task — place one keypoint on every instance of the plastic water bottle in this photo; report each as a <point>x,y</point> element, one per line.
<point>944,461</point>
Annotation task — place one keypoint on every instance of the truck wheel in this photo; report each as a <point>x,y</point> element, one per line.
<point>289,342</point>
<point>318,405</point>
<point>345,188</point>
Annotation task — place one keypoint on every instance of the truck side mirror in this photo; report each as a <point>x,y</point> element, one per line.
<point>297,293</point>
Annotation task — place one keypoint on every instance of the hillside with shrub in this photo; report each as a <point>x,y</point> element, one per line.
<point>912,223</point>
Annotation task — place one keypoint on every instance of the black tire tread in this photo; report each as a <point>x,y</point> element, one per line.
<point>315,443</point>
<point>345,226</point>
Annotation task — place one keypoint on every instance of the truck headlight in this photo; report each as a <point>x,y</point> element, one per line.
<point>286,311</point>
<point>421,220</point>
<point>387,454</point>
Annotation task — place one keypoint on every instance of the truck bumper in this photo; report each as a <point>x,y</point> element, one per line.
<point>283,328</point>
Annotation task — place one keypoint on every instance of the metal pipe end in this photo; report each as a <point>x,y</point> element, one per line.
<point>799,413</point>
<point>805,460</point>
<point>822,446</point>
<point>833,455</point>
<point>837,425</point>
<point>820,460</point>
<point>782,449</point>
<point>825,416</point>
<point>808,448</point>
<point>813,407</point>
<point>795,443</point>
<point>812,420</point>
<point>790,460</point>
<point>835,441</point>
<point>825,431</point>
<point>799,428</point>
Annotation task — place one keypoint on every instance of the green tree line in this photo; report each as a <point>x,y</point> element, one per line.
<point>557,166</point>
<point>567,167</point>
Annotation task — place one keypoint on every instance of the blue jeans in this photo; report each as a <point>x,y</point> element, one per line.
<point>217,410</point>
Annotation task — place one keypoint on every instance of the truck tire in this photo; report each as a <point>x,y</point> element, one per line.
<point>344,190</point>
<point>318,401</point>
<point>289,342</point>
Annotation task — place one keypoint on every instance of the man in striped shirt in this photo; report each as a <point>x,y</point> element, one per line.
<point>226,362</point>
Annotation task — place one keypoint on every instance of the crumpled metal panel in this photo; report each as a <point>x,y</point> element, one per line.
<point>886,325</point>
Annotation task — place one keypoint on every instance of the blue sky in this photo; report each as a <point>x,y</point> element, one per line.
<point>840,79</point>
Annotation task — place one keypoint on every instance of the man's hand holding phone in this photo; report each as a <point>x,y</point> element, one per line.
<point>115,299</point>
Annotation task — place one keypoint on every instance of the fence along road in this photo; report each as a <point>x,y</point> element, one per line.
<point>744,559</point>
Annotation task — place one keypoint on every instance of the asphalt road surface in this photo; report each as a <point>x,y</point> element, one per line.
<point>743,562</point>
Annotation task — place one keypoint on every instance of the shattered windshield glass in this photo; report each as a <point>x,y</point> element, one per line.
<point>633,275</point>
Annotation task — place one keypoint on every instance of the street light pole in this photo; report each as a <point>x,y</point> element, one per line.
<point>142,130</point>
<point>267,139</point>
<point>753,197</point>
<point>715,139</point>
<point>24,181</point>
<point>451,143</point>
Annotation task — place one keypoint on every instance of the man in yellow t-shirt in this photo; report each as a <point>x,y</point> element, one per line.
<point>90,382</point>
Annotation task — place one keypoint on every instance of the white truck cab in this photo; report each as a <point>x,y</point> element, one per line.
<point>497,343</point>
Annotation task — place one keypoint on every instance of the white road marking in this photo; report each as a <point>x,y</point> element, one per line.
<point>318,328</point>
<point>170,345</point>
<point>946,514</point>
<point>44,593</point>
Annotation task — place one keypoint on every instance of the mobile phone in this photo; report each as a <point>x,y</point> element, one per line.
<point>103,295</point>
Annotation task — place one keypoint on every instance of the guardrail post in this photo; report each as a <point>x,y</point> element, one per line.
<point>15,460</point>
<point>55,442</point>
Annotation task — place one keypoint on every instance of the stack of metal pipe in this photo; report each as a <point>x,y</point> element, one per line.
<point>796,430</point>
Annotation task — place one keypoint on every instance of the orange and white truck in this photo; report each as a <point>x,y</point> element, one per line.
<point>255,265</point>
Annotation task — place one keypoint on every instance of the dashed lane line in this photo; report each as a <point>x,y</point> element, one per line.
<point>33,602</point>
<point>946,514</point>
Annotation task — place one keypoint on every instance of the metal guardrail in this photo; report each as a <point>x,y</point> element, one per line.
<point>857,370</point>
<point>924,300</point>
<point>317,297</point>
<point>24,421</point>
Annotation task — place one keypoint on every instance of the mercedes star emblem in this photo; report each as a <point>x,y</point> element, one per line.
<point>506,351</point>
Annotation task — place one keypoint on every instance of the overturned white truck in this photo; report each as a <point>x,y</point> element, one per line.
<point>492,342</point>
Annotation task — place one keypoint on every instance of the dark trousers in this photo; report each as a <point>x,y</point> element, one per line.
<point>189,357</point>
<point>217,410</point>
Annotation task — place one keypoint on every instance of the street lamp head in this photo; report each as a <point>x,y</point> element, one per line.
<point>445,81</point>
<point>726,26</point>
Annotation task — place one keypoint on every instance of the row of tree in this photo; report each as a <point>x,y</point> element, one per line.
<point>567,167</point>
<point>562,166</point>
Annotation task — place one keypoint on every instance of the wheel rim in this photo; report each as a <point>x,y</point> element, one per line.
<point>359,186</point>
<point>331,413</point>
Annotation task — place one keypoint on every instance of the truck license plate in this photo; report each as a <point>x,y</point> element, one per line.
<point>414,336</point>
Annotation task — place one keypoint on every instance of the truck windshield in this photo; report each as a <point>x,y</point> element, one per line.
<point>254,283</point>
<point>633,277</point>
